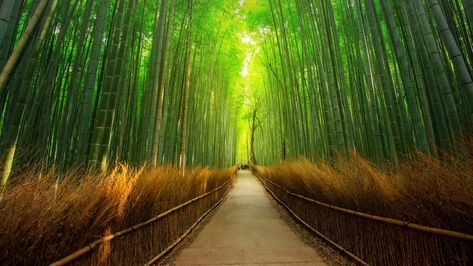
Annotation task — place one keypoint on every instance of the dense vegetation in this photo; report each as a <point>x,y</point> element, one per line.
<point>119,80</point>
<point>377,77</point>
<point>141,81</point>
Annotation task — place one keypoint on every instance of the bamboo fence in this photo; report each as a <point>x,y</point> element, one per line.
<point>418,227</point>
<point>91,246</point>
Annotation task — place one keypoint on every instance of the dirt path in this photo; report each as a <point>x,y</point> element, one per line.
<point>247,229</point>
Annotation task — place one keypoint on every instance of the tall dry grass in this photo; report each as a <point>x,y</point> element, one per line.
<point>44,217</point>
<point>422,190</point>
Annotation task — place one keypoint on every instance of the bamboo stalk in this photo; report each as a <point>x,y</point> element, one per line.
<point>15,55</point>
<point>418,227</point>
<point>135,227</point>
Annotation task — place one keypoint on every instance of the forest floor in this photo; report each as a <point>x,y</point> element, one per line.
<point>250,228</point>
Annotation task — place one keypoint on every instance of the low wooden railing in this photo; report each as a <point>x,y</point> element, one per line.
<point>439,232</point>
<point>93,245</point>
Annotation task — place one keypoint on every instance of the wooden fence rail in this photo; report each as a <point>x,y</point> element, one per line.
<point>418,227</point>
<point>89,247</point>
<point>346,233</point>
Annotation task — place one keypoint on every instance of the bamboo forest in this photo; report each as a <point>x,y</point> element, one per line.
<point>233,132</point>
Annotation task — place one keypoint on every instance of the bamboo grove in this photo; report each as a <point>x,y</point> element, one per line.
<point>381,78</point>
<point>89,82</point>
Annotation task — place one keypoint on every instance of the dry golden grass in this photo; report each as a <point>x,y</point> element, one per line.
<point>45,216</point>
<point>422,190</point>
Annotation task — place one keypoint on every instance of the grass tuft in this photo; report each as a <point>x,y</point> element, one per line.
<point>46,216</point>
<point>422,190</point>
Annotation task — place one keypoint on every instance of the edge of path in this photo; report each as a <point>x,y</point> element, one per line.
<point>170,257</point>
<point>329,254</point>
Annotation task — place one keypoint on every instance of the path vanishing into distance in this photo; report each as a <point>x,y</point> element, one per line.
<point>123,122</point>
<point>247,230</point>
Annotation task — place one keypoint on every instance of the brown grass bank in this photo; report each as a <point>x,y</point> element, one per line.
<point>423,190</point>
<point>42,220</point>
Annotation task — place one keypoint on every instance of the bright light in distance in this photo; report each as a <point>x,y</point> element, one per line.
<point>246,39</point>
<point>244,71</point>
